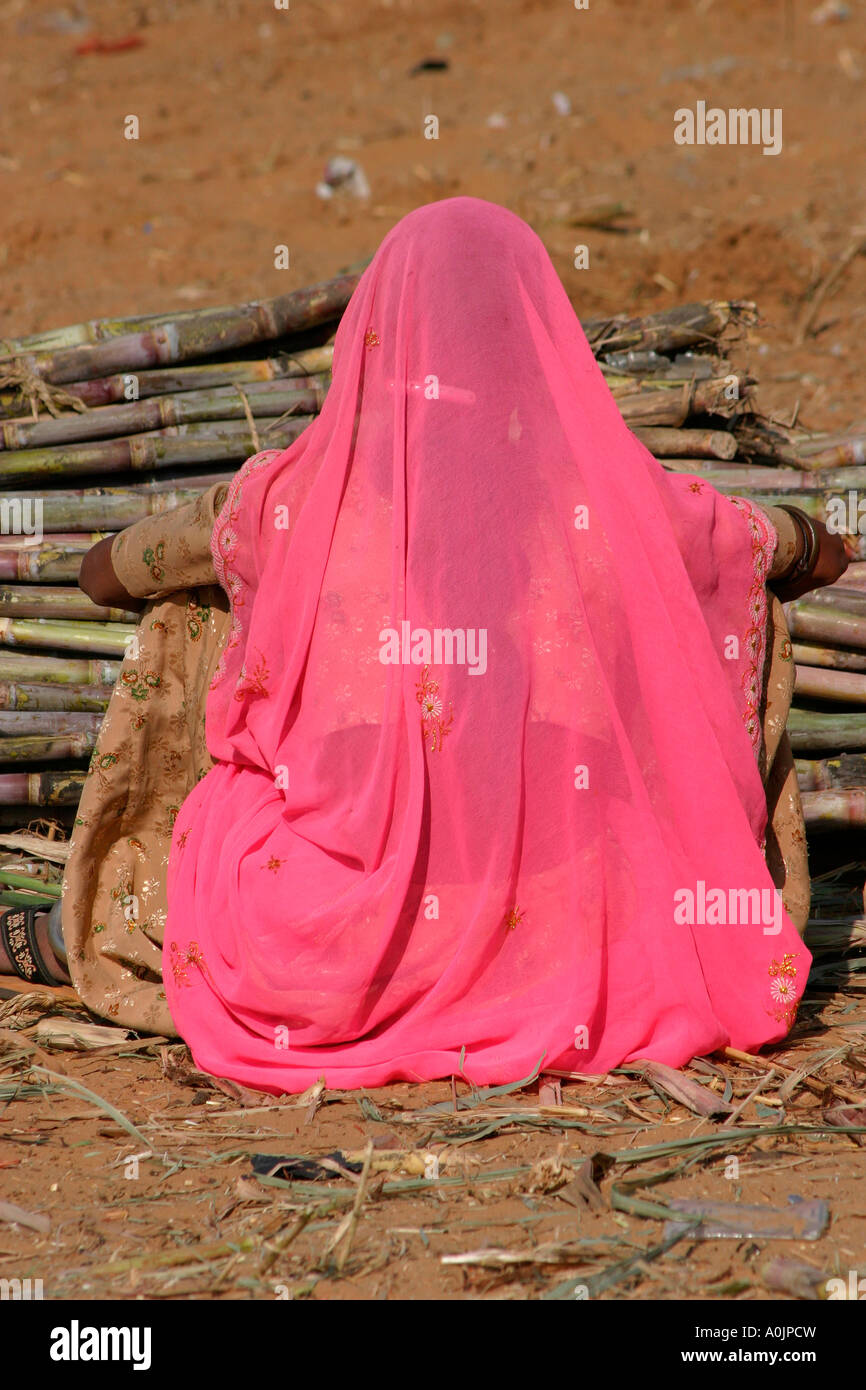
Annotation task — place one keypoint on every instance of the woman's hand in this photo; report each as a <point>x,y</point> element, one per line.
<point>833,559</point>
<point>97,580</point>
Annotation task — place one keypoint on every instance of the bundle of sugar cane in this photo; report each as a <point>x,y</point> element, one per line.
<point>106,422</point>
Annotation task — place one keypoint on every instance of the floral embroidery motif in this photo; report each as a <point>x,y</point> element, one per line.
<point>273,863</point>
<point>99,764</point>
<point>514,918</point>
<point>224,542</point>
<point>786,651</point>
<point>182,959</point>
<point>696,487</point>
<point>153,557</point>
<point>126,900</point>
<point>433,726</point>
<point>254,683</point>
<point>197,618</point>
<point>140,683</point>
<point>159,626</point>
<point>763,546</point>
<point>783,974</point>
<point>371,339</point>
<point>182,838</point>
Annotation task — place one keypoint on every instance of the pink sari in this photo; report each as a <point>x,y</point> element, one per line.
<point>487,719</point>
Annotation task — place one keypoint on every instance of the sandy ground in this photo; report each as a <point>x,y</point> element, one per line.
<point>542,1193</point>
<point>240,105</point>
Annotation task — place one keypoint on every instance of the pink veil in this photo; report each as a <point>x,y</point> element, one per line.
<point>487,716</point>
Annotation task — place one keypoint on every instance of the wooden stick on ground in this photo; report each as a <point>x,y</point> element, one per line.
<point>834,274</point>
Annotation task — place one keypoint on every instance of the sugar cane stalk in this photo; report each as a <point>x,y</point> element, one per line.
<point>675,443</point>
<point>267,398</point>
<point>111,508</point>
<point>669,329</point>
<point>71,636</point>
<point>52,722</point>
<point>43,748</point>
<point>850,453</point>
<point>183,338</point>
<point>820,623</point>
<point>834,810</point>
<point>836,658</point>
<point>808,729</point>
<point>843,687</point>
<point>849,770</point>
<point>37,696</point>
<point>56,671</point>
<point>59,604</point>
<point>46,889</point>
<point>307,368</point>
<point>203,442</point>
<point>41,788</point>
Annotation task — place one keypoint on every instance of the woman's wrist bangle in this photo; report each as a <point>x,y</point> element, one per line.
<point>810,536</point>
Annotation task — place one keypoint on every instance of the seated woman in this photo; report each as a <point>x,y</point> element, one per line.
<point>492,767</point>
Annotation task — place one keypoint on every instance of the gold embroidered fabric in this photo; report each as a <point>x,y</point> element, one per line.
<point>150,753</point>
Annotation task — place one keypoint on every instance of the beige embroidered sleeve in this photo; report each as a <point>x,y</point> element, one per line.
<point>170,550</point>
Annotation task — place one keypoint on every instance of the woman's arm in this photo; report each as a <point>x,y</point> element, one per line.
<point>99,581</point>
<point>808,556</point>
<point>156,556</point>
